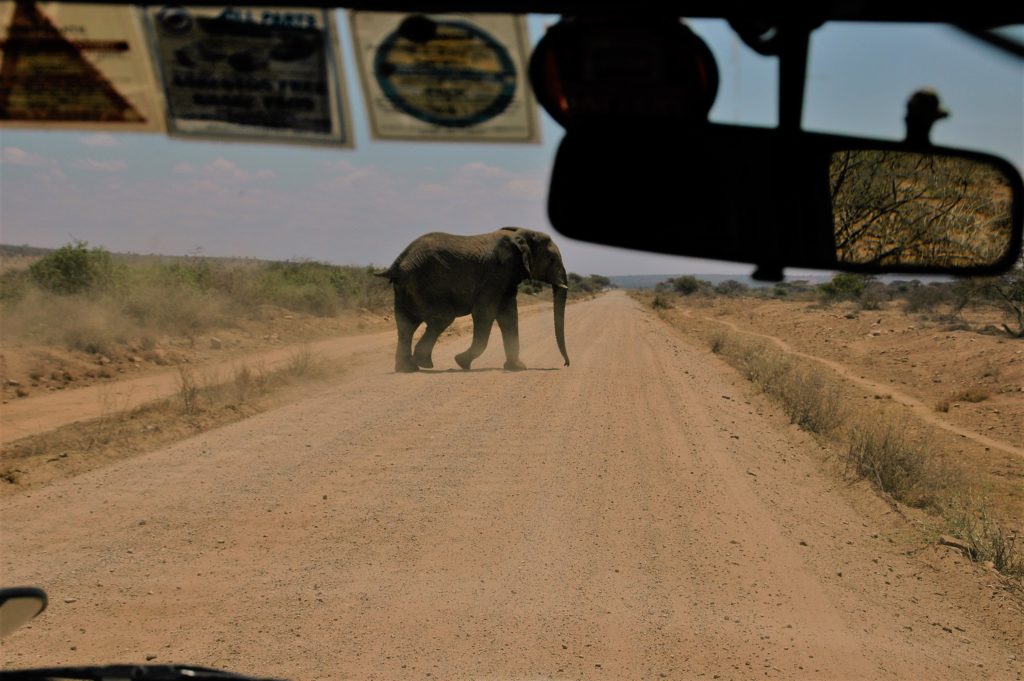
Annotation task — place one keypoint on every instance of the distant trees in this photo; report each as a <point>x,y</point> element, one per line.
<point>948,299</point>
<point>1005,292</point>
<point>592,283</point>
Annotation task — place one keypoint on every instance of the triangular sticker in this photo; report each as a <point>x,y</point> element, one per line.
<point>46,77</point>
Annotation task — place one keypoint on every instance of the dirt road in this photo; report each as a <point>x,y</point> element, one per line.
<point>638,515</point>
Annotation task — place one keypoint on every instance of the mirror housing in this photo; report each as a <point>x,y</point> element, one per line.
<point>18,605</point>
<point>765,196</point>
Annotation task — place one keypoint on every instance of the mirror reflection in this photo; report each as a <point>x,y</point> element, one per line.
<point>898,208</point>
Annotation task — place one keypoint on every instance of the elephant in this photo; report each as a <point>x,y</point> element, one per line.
<point>439,277</point>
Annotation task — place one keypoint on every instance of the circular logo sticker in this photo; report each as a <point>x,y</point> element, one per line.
<point>448,73</point>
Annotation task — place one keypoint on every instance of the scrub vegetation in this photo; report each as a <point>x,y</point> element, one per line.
<point>88,299</point>
<point>950,345</point>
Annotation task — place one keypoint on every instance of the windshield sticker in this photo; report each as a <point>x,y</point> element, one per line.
<point>262,73</point>
<point>445,77</point>
<point>65,65</point>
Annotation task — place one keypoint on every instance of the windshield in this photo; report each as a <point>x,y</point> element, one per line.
<point>214,453</point>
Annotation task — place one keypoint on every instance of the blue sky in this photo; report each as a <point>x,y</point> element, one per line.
<point>150,194</point>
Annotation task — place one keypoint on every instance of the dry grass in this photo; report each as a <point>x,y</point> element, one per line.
<point>877,448</point>
<point>303,362</point>
<point>875,445</point>
<point>188,390</point>
<point>807,397</point>
<point>146,297</point>
<point>661,302</point>
<point>973,394</point>
<point>199,404</point>
<point>968,519</point>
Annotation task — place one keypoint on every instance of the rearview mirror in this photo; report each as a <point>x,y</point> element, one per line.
<point>785,199</point>
<point>913,209</point>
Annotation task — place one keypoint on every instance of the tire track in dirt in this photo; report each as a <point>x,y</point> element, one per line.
<point>920,409</point>
<point>640,514</point>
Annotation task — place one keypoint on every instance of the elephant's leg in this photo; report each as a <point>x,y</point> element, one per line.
<point>508,322</point>
<point>425,345</point>
<point>403,354</point>
<point>482,323</point>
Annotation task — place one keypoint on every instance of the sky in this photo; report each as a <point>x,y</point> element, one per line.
<point>147,193</point>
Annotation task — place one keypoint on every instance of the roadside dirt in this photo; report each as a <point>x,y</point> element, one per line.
<point>85,387</point>
<point>640,514</point>
<point>925,362</point>
<point>910,362</point>
<point>29,372</point>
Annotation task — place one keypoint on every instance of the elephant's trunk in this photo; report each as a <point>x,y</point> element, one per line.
<point>561,293</point>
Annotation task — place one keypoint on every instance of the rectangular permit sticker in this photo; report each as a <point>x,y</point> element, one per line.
<point>259,73</point>
<point>445,77</point>
<point>66,65</point>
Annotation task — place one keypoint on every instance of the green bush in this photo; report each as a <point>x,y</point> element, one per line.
<point>731,288</point>
<point>591,283</point>
<point>687,285</point>
<point>844,286</point>
<point>73,268</point>
<point>530,287</point>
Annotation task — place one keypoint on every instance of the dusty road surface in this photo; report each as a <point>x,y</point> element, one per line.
<point>638,515</point>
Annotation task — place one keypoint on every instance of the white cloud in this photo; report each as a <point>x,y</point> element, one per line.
<point>343,167</point>
<point>526,188</point>
<point>485,183</point>
<point>19,157</point>
<point>94,165</point>
<point>364,183</point>
<point>223,169</point>
<point>220,174</point>
<point>433,190</point>
<point>45,169</point>
<point>478,169</point>
<point>101,139</point>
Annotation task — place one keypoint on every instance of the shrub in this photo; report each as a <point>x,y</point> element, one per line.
<point>920,298</point>
<point>686,285</point>
<point>530,287</point>
<point>661,302</point>
<point>974,394</point>
<point>844,286</point>
<point>879,450</point>
<point>809,400</point>
<point>986,539</point>
<point>731,288</point>
<point>73,268</point>
<point>872,297</point>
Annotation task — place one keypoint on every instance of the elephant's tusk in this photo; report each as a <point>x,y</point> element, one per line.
<point>561,286</point>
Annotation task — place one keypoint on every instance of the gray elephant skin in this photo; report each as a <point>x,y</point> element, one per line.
<point>439,277</point>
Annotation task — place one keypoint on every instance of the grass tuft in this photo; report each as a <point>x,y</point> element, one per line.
<point>879,450</point>
<point>188,391</point>
<point>974,394</point>
<point>969,520</point>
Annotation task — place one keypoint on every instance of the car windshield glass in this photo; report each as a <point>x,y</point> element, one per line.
<point>309,411</point>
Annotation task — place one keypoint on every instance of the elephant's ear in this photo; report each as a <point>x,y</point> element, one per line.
<point>515,247</point>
